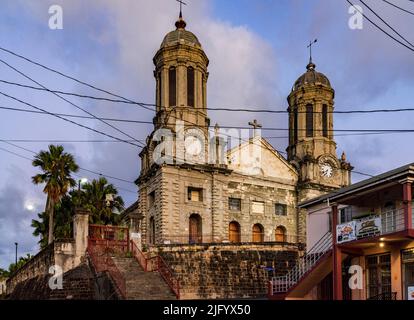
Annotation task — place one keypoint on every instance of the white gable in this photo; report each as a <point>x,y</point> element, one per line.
<point>258,158</point>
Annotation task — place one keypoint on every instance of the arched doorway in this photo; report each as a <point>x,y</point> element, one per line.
<point>280,234</point>
<point>258,233</point>
<point>195,229</point>
<point>152,231</point>
<point>234,232</point>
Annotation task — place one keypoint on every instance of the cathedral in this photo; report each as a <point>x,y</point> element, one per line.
<point>195,188</point>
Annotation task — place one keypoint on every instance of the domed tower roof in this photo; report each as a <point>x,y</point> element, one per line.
<point>311,77</point>
<point>180,35</point>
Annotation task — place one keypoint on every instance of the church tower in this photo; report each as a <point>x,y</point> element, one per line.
<point>181,80</point>
<point>181,104</point>
<point>312,148</point>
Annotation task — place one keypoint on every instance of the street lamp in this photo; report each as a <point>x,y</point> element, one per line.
<point>80,182</point>
<point>16,244</point>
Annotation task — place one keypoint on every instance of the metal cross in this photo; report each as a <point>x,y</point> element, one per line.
<point>255,124</point>
<point>310,48</point>
<point>181,6</point>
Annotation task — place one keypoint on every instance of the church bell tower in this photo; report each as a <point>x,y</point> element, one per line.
<point>181,80</point>
<point>312,148</point>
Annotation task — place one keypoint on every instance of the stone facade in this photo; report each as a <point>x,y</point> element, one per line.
<point>211,195</point>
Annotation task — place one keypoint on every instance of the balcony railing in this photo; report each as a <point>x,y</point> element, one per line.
<point>209,238</point>
<point>384,296</point>
<point>372,226</point>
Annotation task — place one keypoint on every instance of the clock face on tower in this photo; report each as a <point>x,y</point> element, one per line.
<point>193,145</point>
<point>326,170</point>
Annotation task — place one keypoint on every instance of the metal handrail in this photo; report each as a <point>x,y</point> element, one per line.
<point>384,296</point>
<point>103,262</point>
<point>306,263</point>
<point>168,276</point>
<point>161,267</point>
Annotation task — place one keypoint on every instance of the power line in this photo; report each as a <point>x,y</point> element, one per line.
<point>68,101</point>
<point>78,116</point>
<point>67,120</point>
<point>76,94</point>
<point>386,23</point>
<point>87,170</point>
<point>225,109</point>
<point>94,87</point>
<point>402,9</point>
<point>116,141</point>
<point>61,115</point>
<point>378,27</point>
<point>72,78</point>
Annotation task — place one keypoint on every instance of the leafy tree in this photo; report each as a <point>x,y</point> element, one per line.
<point>3,273</point>
<point>94,198</point>
<point>57,167</point>
<point>20,263</point>
<point>41,228</point>
<point>63,213</point>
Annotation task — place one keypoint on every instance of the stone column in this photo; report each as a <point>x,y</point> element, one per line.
<point>81,231</point>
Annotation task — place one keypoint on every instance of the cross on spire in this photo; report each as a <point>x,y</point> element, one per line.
<point>181,7</point>
<point>311,43</point>
<point>256,125</point>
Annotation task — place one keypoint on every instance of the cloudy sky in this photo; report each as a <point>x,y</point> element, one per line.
<point>257,50</point>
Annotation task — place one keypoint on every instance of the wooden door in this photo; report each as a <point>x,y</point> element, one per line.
<point>280,234</point>
<point>195,229</point>
<point>258,235</point>
<point>234,232</point>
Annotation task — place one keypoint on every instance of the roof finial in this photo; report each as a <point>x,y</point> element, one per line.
<point>180,24</point>
<point>311,65</point>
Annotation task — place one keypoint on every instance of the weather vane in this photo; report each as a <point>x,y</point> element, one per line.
<point>181,7</point>
<point>310,48</point>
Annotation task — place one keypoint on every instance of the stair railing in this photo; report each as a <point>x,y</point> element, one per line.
<point>168,276</point>
<point>306,263</point>
<point>103,262</point>
<point>157,263</point>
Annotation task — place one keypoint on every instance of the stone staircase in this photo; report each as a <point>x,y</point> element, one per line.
<point>141,285</point>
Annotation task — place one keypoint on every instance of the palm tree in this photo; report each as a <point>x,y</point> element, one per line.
<point>57,167</point>
<point>41,228</point>
<point>95,199</point>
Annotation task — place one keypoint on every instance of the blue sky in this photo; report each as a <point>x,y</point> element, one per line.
<point>257,50</point>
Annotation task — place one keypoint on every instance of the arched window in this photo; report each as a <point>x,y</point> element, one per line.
<point>309,121</point>
<point>190,86</point>
<point>172,83</point>
<point>258,233</point>
<point>151,231</point>
<point>325,120</point>
<point>195,227</point>
<point>280,234</point>
<point>234,232</point>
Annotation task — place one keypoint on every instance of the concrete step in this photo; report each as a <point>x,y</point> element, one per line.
<point>141,285</point>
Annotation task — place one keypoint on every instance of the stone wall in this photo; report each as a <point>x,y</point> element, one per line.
<point>66,254</point>
<point>78,284</point>
<point>227,271</point>
<point>37,266</point>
